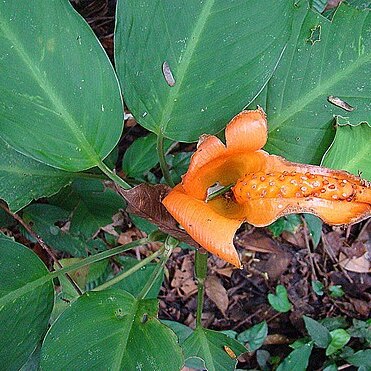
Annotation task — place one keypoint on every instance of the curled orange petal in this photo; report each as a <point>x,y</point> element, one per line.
<point>266,187</point>
<point>212,231</point>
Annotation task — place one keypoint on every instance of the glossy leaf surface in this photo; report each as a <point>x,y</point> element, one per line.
<point>213,348</point>
<point>136,281</point>
<point>187,67</point>
<point>323,59</point>
<point>45,220</point>
<point>119,332</point>
<point>93,206</point>
<point>297,360</point>
<point>351,150</point>
<point>24,319</point>
<point>141,156</point>
<point>60,97</point>
<point>24,179</point>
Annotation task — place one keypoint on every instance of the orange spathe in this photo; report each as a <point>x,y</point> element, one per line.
<point>266,187</point>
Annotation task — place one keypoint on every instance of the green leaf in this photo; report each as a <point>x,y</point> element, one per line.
<point>23,319</point>
<point>135,282</point>
<point>95,207</point>
<point>141,156</point>
<point>280,301</point>
<point>110,330</point>
<point>60,98</point>
<point>182,331</point>
<point>24,179</point>
<point>262,357</point>
<point>315,227</point>
<point>339,338</point>
<point>44,219</point>
<point>211,347</point>
<point>254,336</point>
<point>288,223</point>
<point>331,367</point>
<point>351,150</point>
<point>361,329</point>
<point>360,358</point>
<point>143,224</point>
<point>332,323</point>
<point>33,362</point>
<point>360,4</point>
<point>319,333</point>
<point>189,41</point>
<point>336,291</point>
<point>300,342</point>
<point>297,360</point>
<point>178,164</point>
<point>5,219</point>
<point>323,59</point>
<point>317,287</point>
<point>318,5</point>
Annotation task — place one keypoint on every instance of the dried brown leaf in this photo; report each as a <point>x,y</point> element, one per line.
<point>183,279</point>
<point>145,200</point>
<point>256,241</point>
<point>359,265</point>
<point>275,265</point>
<point>217,293</point>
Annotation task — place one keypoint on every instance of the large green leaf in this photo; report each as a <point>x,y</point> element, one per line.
<point>136,281</point>
<point>212,347</point>
<point>141,156</point>
<point>23,319</point>
<point>219,53</point>
<point>24,179</point>
<point>45,219</point>
<point>60,100</point>
<point>92,206</point>
<point>323,59</point>
<point>351,150</point>
<point>110,330</point>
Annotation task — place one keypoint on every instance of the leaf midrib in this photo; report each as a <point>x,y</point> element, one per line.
<point>183,67</point>
<point>45,86</point>
<point>117,364</point>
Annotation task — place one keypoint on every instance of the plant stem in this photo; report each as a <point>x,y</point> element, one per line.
<point>169,245</point>
<point>113,176</point>
<point>30,286</point>
<point>200,273</point>
<point>41,242</point>
<point>161,157</point>
<point>130,271</point>
<point>100,256</point>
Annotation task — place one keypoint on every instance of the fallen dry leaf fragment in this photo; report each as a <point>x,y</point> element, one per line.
<point>217,293</point>
<point>145,200</point>
<point>359,265</point>
<point>183,279</point>
<point>257,241</point>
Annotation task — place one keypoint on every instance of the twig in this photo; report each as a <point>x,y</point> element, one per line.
<point>334,259</point>
<point>363,229</point>
<point>41,242</point>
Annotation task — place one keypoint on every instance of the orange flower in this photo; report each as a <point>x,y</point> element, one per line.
<point>266,187</point>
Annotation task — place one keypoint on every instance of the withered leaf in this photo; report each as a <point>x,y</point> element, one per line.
<point>145,200</point>
<point>217,293</point>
